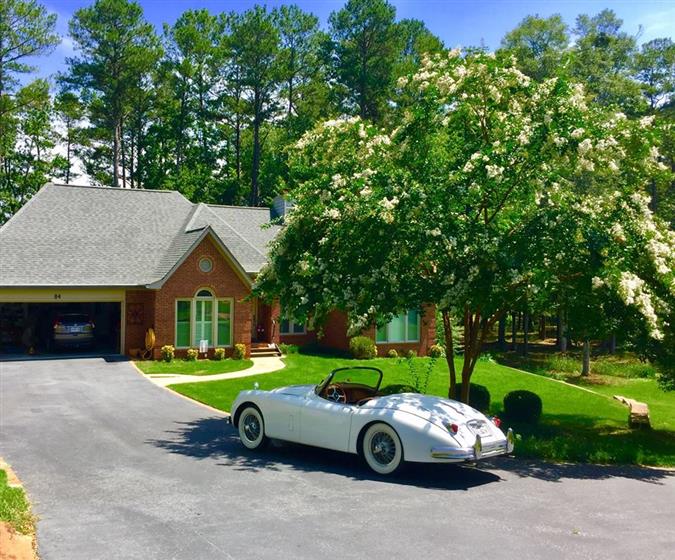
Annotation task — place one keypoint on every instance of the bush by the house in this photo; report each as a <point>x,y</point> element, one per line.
<point>394,389</point>
<point>362,348</point>
<point>392,353</point>
<point>436,351</point>
<point>411,354</point>
<point>523,406</point>
<point>219,354</point>
<point>239,352</point>
<point>192,354</point>
<point>288,348</point>
<point>168,353</point>
<point>479,396</point>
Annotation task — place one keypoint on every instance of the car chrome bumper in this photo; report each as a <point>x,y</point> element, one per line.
<point>478,450</point>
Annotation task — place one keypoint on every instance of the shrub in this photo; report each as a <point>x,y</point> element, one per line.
<point>362,348</point>
<point>436,351</point>
<point>479,396</point>
<point>411,354</point>
<point>168,353</point>
<point>219,354</point>
<point>192,354</point>
<point>289,348</point>
<point>239,352</point>
<point>393,389</point>
<point>392,353</point>
<point>522,406</point>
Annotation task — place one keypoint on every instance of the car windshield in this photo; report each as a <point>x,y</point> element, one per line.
<point>358,375</point>
<point>74,318</point>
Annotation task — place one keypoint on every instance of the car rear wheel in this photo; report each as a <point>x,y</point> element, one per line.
<point>252,428</point>
<point>382,449</point>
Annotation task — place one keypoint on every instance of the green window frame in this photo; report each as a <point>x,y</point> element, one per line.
<point>402,328</point>
<point>204,317</point>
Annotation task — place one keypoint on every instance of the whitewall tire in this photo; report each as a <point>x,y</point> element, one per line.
<point>382,449</point>
<point>252,428</point>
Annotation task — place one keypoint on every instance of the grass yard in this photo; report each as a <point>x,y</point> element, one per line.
<point>14,507</point>
<point>576,425</point>
<point>197,367</point>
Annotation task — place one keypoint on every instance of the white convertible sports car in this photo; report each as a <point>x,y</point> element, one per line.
<point>347,412</point>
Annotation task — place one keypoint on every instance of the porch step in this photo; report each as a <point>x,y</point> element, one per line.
<point>264,350</point>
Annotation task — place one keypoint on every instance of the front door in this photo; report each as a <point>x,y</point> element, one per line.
<point>325,423</point>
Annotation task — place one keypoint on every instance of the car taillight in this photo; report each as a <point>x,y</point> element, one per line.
<point>452,428</point>
<point>91,324</point>
<point>496,421</point>
<point>57,324</point>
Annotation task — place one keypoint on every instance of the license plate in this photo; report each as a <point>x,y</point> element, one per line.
<point>480,428</point>
<point>74,330</point>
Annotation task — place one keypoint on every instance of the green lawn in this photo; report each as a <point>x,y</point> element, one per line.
<point>14,507</point>
<point>577,425</point>
<point>198,367</point>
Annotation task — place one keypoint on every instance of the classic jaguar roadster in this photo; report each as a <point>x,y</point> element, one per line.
<point>348,412</point>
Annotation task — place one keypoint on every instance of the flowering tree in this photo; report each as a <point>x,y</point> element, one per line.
<point>485,194</point>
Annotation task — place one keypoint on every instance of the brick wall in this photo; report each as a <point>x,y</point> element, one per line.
<point>188,279</point>
<point>140,316</point>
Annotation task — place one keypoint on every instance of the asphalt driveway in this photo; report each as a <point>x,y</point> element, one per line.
<point>119,468</point>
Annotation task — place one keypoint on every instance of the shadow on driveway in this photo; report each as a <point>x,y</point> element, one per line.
<point>213,438</point>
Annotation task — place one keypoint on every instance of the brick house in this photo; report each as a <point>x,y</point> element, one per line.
<point>133,259</point>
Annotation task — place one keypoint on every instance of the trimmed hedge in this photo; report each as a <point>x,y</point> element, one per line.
<point>479,396</point>
<point>523,406</point>
<point>394,389</point>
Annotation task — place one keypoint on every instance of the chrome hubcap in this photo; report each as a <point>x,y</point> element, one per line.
<point>383,448</point>
<point>251,427</point>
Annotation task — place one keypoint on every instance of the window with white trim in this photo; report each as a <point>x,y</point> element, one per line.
<point>402,328</point>
<point>203,317</point>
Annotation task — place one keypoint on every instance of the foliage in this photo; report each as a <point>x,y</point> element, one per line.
<point>219,354</point>
<point>436,351</point>
<point>362,348</point>
<point>392,353</point>
<point>239,351</point>
<point>493,191</point>
<point>192,354</point>
<point>479,396</point>
<point>397,388</point>
<point>197,367</point>
<point>288,348</point>
<point>168,352</point>
<point>523,406</point>
<point>417,379</point>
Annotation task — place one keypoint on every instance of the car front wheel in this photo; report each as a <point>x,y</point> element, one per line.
<point>252,428</point>
<point>382,449</point>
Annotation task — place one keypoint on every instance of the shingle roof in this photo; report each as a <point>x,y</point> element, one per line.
<point>98,236</point>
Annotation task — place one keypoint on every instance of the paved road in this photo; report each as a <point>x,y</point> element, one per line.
<point>119,468</point>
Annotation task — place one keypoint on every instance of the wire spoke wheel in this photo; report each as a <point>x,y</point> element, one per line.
<point>382,449</point>
<point>252,428</point>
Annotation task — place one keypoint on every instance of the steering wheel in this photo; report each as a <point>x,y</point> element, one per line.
<point>336,394</point>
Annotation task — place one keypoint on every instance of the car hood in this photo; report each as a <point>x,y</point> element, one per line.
<point>434,409</point>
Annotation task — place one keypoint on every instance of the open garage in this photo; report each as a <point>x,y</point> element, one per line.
<point>46,328</point>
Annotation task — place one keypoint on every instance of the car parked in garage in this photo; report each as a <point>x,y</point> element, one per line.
<point>73,330</point>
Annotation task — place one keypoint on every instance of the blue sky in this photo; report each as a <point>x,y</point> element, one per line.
<point>457,22</point>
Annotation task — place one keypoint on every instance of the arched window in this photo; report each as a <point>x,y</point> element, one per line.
<point>204,317</point>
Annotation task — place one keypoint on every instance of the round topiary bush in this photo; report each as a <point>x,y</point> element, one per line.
<point>479,396</point>
<point>436,351</point>
<point>362,348</point>
<point>523,406</point>
<point>392,353</point>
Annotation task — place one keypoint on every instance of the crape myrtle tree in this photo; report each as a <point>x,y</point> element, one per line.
<point>450,207</point>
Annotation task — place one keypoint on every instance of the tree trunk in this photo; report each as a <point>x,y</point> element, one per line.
<point>586,367</point>
<point>501,335</point>
<point>68,158</point>
<point>123,154</point>
<point>612,344</point>
<point>542,327</point>
<point>116,154</point>
<point>562,337</point>
<point>450,353</point>
<point>514,332</point>
<point>526,328</point>
<point>256,152</point>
